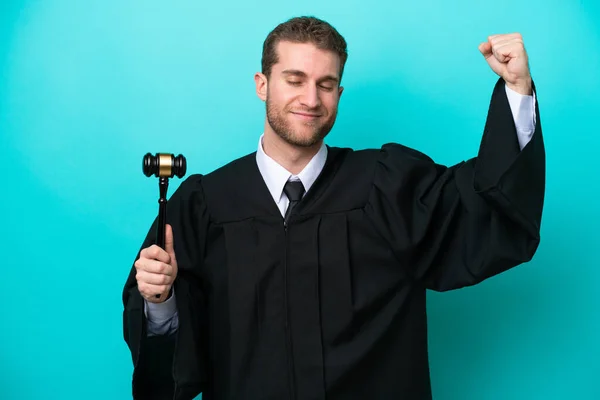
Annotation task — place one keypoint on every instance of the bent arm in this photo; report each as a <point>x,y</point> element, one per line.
<point>452,227</point>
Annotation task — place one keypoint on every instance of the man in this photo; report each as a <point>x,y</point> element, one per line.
<point>300,270</point>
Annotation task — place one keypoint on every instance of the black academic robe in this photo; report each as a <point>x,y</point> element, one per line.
<point>333,305</point>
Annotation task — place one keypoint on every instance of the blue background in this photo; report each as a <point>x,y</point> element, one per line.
<point>88,87</point>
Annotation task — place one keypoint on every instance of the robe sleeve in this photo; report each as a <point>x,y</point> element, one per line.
<point>173,366</point>
<point>452,227</point>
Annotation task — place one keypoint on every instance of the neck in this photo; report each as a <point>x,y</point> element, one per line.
<point>292,158</point>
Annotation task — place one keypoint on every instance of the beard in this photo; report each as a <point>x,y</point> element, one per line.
<point>283,127</point>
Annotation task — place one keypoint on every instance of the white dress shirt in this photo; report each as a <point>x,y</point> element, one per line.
<point>163,318</point>
<point>275,176</point>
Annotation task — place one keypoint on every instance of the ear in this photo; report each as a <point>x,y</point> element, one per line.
<point>261,85</point>
<point>340,90</point>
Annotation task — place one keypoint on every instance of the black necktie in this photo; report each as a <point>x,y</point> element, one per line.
<point>294,190</point>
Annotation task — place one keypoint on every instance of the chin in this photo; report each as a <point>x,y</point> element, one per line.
<point>303,139</point>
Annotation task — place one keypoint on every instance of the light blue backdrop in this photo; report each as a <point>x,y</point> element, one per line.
<point>88,87</point>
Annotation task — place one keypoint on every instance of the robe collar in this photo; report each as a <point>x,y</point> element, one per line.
<point>276,176</point>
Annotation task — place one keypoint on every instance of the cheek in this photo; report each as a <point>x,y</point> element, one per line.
<point>282,103</point>
<point>331,103</point>
<point>281,95</point>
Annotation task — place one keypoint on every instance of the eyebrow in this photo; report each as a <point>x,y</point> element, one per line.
<point>299,73</point>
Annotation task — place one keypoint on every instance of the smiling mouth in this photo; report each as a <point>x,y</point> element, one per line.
<point>306,115</point>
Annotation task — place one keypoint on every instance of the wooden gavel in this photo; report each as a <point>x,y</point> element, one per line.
<point>163,166</point>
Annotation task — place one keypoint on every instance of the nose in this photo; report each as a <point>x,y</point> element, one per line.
<point>310,97</point>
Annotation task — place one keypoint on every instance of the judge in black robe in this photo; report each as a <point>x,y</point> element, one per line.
<point>332,306</point>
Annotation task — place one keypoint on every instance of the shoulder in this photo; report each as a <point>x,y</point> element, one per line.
<point>188,192</point>
<point>231,174</point>
<point>401,152</point>
<point>232,169</point>
<point>394,165</point>
<point>387,153</point>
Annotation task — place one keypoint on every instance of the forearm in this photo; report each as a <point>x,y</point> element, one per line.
<point>524,115</point>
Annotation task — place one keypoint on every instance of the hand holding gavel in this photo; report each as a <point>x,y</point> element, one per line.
<point>156,268</point>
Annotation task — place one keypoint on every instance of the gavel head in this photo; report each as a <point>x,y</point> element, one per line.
<point>164,165</point>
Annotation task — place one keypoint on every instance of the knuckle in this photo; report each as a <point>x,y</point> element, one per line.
<point>141,262</point>
<point>141,278</point>
<point>162,267</point>
<point>142,288</point>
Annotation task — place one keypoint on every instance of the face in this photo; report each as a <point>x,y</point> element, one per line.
<point>302,93</point>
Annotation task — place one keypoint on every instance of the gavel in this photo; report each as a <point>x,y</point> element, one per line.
<point>163,166</point>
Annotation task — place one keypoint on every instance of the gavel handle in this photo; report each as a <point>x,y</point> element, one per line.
<point>163,185</point>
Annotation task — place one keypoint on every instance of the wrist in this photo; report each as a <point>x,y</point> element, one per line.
<point>523,87</point>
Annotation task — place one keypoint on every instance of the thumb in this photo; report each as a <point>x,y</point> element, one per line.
<point>486,49</point>
<point>169,248</point>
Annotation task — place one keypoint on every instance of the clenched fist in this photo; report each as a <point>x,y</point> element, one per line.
<point>507,57</point>
<point>157,269</point>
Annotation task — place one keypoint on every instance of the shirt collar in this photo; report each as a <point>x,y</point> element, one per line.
<point>275,176</point>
